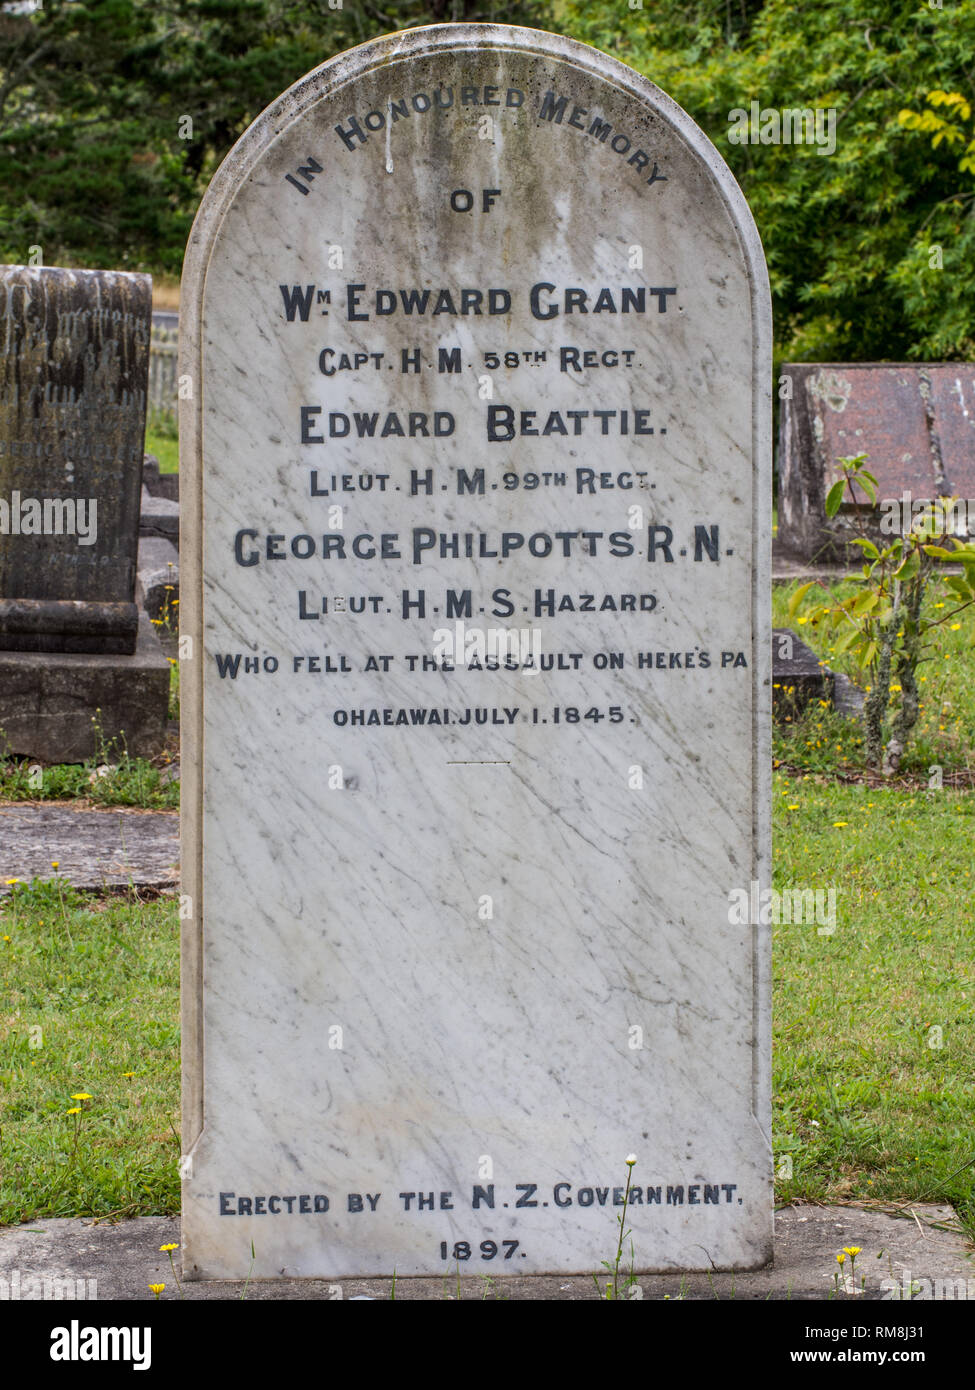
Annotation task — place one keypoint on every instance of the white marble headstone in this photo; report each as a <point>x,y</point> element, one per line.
<point>476,326</point>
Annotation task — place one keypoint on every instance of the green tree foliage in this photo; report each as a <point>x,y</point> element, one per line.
<point>884,624</point>
<point>94,96</point>
<point>854,239</point>
<point>871,249</point>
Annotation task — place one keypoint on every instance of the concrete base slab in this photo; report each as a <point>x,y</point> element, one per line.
<point>48,700</point>
<point>160,518</point>
<point>847,697</point>
<point>158,577</point>
<point>92,849</point>
<point>921,1248</point>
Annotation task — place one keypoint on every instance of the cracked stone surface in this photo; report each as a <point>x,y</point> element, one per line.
<point>93,849</point>
<point>921,1248</point>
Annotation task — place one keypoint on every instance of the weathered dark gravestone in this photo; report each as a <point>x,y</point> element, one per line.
<point>916,423</point>
<point>798,675</point>
<point>73,362</point>
<point>73,367</point>
<point>476,520</point>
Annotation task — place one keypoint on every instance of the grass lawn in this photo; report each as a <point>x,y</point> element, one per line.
<point>945,733</point>
<point>90,988</point>
<point>133,782</point>
<point>110,778</point>
<point>874,1027</point>
<point>874,1030</point>
<point>163,441</point>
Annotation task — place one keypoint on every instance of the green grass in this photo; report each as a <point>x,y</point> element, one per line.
<point>110,778</point>
<point>163,441</point>
<point>871,1103</point>
<point>90,988</point>
<point>865,1106</point>
<point>174,691</point>
<point>865,1103</point>
<point>945,732</point>
<point>125,782</point>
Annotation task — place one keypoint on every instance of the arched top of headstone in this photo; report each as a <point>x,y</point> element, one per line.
<point>476,507</point>
<point>413,46</point>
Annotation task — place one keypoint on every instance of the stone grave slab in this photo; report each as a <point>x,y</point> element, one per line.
<point>64,708</point>
<point>159,518</point>
<point>74,348</point>
<point>73,366</point>
<point>916,423</point>
<point>109,848</point>
<point>158,587</point>
<point>798,675</point>
<point>478,328</point>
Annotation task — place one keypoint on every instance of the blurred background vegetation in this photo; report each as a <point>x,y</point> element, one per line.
<point>94,171</point>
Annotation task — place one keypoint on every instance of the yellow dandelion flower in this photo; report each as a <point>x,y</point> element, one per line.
<point>81,1095</point>
<point>839,824</point>
<point>164,1248</point>
<point>75,1110</point>
<point>852,1250</point>
<point>840,1259</point>
<point>156,1289</point>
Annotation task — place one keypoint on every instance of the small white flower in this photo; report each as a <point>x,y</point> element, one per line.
<point>630,1160</point>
